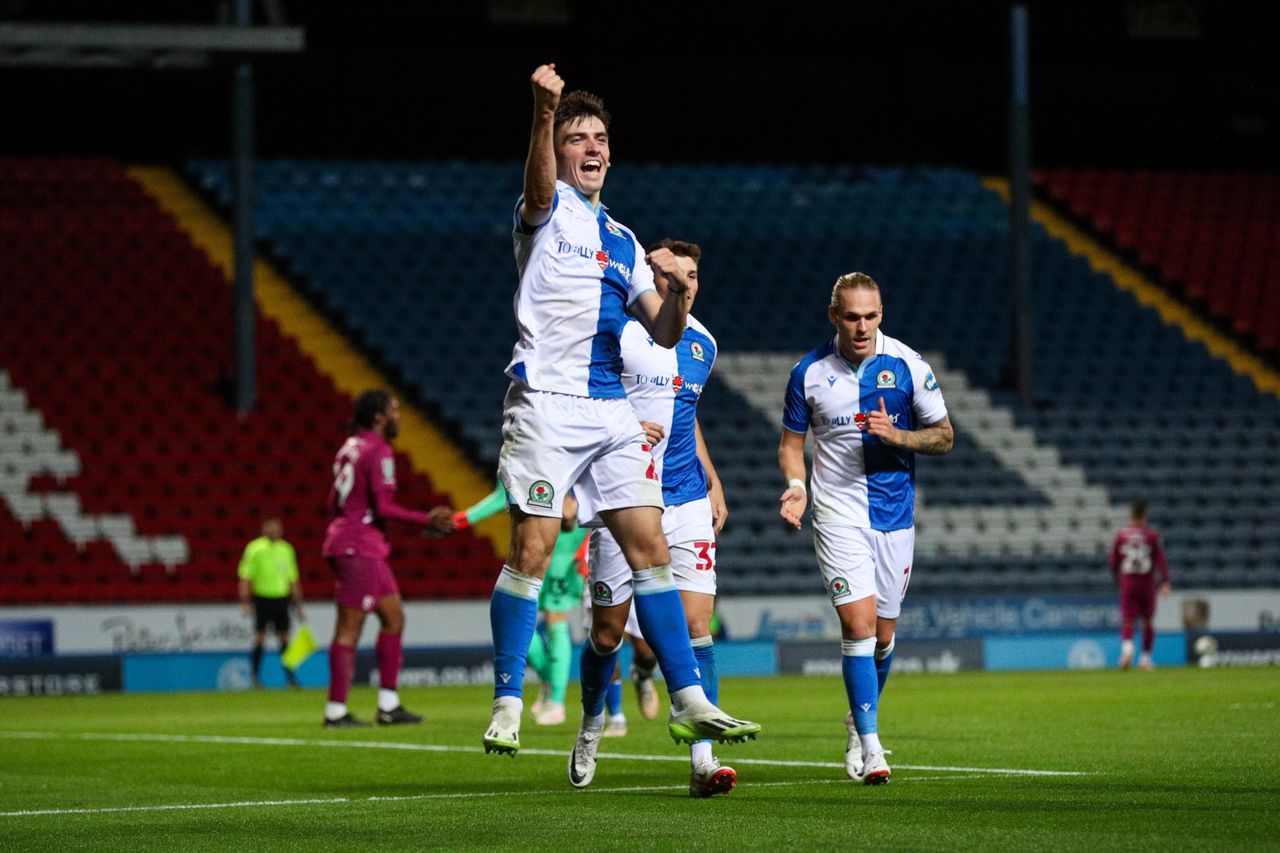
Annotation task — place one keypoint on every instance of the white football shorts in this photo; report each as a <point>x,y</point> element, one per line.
<point>690,537</point>
<point>633,621</point>
<point>858,562</point>
<point>552,443</point>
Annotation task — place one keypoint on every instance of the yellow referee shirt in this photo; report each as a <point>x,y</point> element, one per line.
<point>270,567</point>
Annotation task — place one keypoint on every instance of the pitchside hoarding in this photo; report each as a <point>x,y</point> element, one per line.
<point>60,676</point>
<point>947,618</point>
<point>220,627</point>
<point>26,638</point>
<point>814,657</point>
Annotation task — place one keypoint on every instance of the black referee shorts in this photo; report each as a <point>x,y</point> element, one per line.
<point>271,611</point>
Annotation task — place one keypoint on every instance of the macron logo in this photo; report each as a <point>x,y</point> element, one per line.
<point>865,706</point>
<point>506,676</point>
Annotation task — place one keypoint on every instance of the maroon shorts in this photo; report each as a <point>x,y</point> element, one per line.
<point>361,582</point>
<point>1137,597</point>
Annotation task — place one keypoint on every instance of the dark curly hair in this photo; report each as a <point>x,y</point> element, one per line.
<point>580,104</point>
<point>369,405</point>
<point>680,248</point>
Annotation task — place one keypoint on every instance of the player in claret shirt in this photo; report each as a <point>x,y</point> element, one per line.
<point>1137,557</point>
<point>872,403</point>
<point>361,501</point>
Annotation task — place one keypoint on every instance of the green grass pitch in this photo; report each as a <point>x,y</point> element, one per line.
<point>1177,759</point>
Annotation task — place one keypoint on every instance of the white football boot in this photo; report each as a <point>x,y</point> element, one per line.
<point>852,751</point>
<point>582,760</point>
<point>704,721</point>
<point>875,770</point>
<point>646,695</point>
<point>710,778</point>
<point>503,734</point>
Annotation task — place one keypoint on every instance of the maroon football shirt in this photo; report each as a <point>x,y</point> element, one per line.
<point>1137,552</point>
<point>363,498</point>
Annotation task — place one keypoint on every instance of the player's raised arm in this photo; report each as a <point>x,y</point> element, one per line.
<point>540,167</point>
<point>791,460</point>
<point>664,318</point>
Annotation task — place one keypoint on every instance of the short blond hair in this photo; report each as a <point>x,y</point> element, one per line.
<point>851,281</point>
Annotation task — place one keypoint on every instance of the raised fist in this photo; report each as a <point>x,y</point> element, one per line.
<point>547,86</point>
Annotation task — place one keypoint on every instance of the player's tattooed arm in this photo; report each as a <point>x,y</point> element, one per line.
<point>932,440</point>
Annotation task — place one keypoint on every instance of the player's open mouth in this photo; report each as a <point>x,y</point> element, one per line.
<point>592,166</point>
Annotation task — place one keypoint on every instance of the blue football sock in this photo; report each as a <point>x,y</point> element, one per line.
<point>704,651</point>
<point>860,682</point>
<point>595,669</point>
<point>513,616</point>
<point>661,616</point>
<point>613,697</point>
<point>884,660</point>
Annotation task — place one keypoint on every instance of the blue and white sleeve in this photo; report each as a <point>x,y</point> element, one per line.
<point>524,229</point>
<point>641,275</point>
<point>926,398</point>
<point>796,412</point>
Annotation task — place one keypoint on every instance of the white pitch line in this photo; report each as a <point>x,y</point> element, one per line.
<point>245,804</point>
<point>428,747</point>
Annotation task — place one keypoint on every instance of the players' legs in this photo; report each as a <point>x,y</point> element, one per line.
<point>1148,626</point>
<point>596,667</point>
<point>558,650</point>
<point>847,562</point>
<point>615,722</point>
<point>599,658</point>
<point>1128,615</point>
<point>255,657</point>
<point>513,609</point>
<point>638,531</point>
<point>884,651</point>
<point>282,637</point>
<point>389,651</point>
<point>620,490</point>
<point>697,611</point>
<point>893,552</point>
<point>537,657</point>
<point>691,534</point>
<point>548,440</point>
<point>857,646</point>
<point>342,660</point>
<point>643,663</point>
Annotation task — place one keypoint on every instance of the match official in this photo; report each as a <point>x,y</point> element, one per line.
<point>268,582</point>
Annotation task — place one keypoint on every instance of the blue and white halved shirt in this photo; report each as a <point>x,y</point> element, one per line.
<point>664,386</point>
<point>579,273</point>
<point>857,479</point>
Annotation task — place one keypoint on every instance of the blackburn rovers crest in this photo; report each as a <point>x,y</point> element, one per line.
<point>541,494</point>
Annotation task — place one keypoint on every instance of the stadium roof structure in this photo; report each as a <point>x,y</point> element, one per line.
<point>158,46</point>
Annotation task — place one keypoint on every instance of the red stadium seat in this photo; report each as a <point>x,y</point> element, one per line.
<point>132,369</point>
